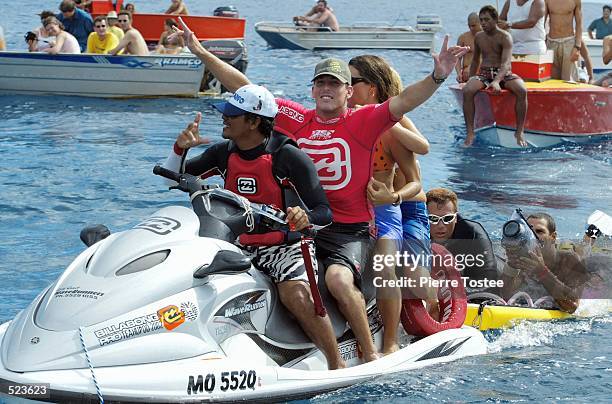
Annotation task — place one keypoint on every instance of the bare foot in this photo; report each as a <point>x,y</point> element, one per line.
<point>390,349</point>
<point>372,356</point>
<point>469,139</point>
<point>433,307</point>
<point>520,139</point>
<point>339,365</point>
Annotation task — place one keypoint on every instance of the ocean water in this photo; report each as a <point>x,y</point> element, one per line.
<point>66,162</point>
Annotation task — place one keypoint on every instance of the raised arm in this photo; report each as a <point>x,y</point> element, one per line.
<point>230,77</point>
<point>417,93</point>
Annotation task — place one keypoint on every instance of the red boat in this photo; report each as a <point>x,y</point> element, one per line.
<point>151,25</point>
<point>557,112</point>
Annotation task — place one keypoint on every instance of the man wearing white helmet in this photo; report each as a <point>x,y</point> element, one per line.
<point>271,170</point>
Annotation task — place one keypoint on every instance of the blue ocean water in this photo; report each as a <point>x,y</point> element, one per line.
<point>66,162</point>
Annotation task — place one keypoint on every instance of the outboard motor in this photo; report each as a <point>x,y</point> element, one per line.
<point>230,51</point>
<point>226,11</point>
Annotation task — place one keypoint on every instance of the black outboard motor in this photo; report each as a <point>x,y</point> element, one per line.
<point>226,11</point>
<point>230,51</point>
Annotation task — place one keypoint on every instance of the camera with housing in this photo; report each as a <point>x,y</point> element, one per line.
<point>517,235</point>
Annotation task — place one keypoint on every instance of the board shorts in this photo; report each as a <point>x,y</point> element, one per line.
<point>389,223</point>
<point>282,262</point>
<point>345,244</point>
<point>415,226</point>
<point>488,74</point>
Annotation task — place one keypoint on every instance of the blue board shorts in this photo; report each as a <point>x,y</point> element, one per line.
<point>389,223</point>
<point>415,227</point>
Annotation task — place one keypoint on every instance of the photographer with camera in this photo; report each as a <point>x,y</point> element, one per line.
<point>537,266</point>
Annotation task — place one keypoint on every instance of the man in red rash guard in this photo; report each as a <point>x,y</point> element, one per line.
<point>340,143</point>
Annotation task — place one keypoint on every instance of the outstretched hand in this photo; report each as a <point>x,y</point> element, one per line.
<point>446,60</point>
<point>187,34</point>
<point>190,137</point>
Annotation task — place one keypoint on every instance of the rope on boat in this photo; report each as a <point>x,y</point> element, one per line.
<point>91,369</point>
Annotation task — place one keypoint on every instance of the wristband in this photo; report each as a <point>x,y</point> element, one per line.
<point>178,150</point>
<point>398,201</point>
<point>437,81</point>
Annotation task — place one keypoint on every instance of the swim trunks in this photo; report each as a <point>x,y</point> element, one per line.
<point>488,74</point>
<point>282,262</point>
<point>388,222</point>
<point>415,225</point>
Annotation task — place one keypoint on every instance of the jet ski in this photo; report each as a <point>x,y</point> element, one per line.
<point>171,310</point>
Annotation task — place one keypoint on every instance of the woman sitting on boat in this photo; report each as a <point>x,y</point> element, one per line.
<point>167,44</point>
<point>64,41</point>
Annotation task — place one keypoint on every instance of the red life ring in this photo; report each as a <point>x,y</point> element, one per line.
<point>452,300</point>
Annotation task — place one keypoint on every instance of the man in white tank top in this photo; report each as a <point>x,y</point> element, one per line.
<point>525,21</point>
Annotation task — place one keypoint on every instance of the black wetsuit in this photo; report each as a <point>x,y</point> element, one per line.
<point>470,239</point>
<point>289,163</point>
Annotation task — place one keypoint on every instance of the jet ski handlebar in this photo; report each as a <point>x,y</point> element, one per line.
<point>269,216</point>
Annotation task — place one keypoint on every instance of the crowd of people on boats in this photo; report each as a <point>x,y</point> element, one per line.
<point>349,166</point>
<point>74,30</point>
<point>277,151</point>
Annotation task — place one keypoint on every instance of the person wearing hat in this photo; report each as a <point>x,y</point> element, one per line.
<point>111,19</point>
<point>267,168</point>
<point>339,140</point>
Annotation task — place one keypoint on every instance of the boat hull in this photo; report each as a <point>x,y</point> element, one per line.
<point>290,37</point>
<point>557,112</point>
<point>100,75</point>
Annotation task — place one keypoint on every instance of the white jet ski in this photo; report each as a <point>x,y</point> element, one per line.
<point>172,311</point>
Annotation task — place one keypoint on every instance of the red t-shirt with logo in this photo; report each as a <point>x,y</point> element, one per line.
<point>341,149</point>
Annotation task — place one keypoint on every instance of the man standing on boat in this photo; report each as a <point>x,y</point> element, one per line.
<point>339,140</point>
<point>132,41</point>
<point>545,270</point>
<point>495,45</point>
<point>76,22</point>
<point>525,21</point>
<point>319,16</point>
<point>563,39</point>
<point>467,39</point>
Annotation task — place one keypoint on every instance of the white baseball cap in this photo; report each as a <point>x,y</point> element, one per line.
<point>250,98</point>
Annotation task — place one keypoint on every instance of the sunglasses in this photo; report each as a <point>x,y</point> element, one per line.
<point>122,20</point>
<point>357,80</point>
<point>446,219</point>
<point>100,26</point>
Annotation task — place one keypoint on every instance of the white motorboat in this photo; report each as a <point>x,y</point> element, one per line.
<point>358,36</point>
<point>105,76</point>
<point>595,47</point>
<point>172,311</point>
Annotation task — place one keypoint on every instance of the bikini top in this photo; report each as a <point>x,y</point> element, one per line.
<point>381,161</point>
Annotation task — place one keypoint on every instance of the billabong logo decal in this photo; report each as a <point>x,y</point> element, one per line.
<point>159,225</point>
<point>246,185</point>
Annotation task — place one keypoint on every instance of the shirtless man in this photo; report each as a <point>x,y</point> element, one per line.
<point>132,42</point>
<point>177,7</point>
<point>323,17</point>
<point>495,46</point>
<point>563,39</point>
<point>467,39</point>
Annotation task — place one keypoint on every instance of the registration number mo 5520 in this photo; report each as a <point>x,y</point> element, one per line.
<point>231,380</point>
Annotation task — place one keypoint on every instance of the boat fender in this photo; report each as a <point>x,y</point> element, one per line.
<point>452,300</point>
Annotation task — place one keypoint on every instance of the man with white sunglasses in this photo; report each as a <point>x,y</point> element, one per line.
<point>466,239</point>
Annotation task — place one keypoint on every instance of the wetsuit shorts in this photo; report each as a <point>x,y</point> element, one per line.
<point>345,244</point>
<point>415,225</point>
<point>389,222</point>
<point>282,262</point>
